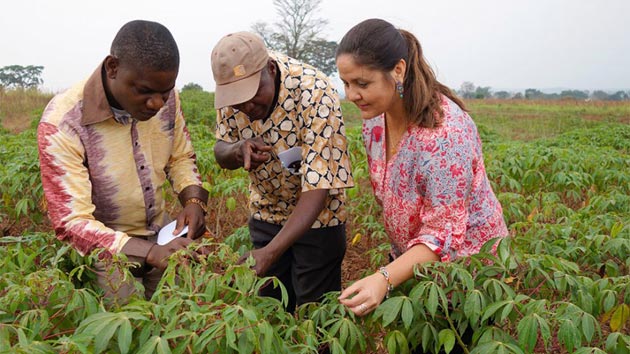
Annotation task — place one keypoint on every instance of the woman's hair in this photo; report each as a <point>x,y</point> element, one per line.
<point>378,45</point>
<point>146,45</point>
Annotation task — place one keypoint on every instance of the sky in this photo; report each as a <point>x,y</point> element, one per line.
<point>504,44</point>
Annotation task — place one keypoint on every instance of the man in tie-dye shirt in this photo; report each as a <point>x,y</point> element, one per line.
<point>106,147</point>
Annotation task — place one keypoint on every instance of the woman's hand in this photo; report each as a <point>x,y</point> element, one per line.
<point>365,295</point>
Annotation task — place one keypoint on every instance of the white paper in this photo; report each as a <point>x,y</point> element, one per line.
<point>166,233</point>
<point>291,159</point>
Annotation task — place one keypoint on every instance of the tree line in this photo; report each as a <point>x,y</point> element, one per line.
<point>470,91</point>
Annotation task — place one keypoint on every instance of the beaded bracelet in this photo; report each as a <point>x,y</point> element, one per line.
<point>199,202</point>
<point>390,286</point>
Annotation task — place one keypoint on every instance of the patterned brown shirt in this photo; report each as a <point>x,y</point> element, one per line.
<point>307,116</point>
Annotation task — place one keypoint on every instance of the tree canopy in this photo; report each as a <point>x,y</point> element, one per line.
<point>17,76</point>
<point>298,34</point>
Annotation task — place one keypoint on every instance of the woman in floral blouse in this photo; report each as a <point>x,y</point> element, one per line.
<point>424,154</point>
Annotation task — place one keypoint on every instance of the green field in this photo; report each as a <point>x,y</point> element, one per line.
<point>560,284</point>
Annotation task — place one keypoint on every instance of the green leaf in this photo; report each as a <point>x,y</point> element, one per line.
<point>124,336</point>
<point>616,229</point>
<point>407,313</point>
<point>390,309</point>
<point>506,311</point>
<point>473,305</point>
<point>447,339</point>
<point>230,337</point>
<point>545,331</point>
<point>503,250</point>
<point>513,348</point>
<point>528,332</point>
<point>249,314</point>
<point>428,335</point>
<point>588,326</point>
<point>266,330</point>
<point>343,333</point>
<point>392,344</point>
<point>149,346</point>
<point>432,301</point>
<point>396,342</point>
<point>493,308</point>
<point>177,333</point>
<point>486,348</point>
<point>609,300</point>
<point>246,342</point>
<point>569,335</point>
<point>163,347</point>
<point>618,343</point>
<point>230,203</point>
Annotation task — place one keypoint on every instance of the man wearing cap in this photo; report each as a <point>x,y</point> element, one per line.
<point>270,106</point>
<point>107,146</point>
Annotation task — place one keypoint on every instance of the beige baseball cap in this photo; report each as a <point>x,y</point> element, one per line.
<point>237,62</point>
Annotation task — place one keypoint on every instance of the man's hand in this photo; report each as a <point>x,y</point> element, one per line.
<point>158,255</point>
<point>253,152</point>
<point>248,154</point>
<point>193,216</point>
<point>303,216</point>
<point>264,258</point>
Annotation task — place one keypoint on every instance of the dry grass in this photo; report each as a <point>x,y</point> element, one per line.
<point>18,108</point>
<point>532,119</point>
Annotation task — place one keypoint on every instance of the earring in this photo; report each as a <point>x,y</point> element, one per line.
<point>400,89</point>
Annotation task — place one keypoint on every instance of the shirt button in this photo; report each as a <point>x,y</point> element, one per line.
<point>147,188</point>
<point>142,167</point>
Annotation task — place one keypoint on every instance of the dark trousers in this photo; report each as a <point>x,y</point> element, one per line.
<point>310,268</point>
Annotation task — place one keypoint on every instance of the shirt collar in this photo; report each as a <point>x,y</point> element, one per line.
<point>282,62</point>
<point>95,107</point>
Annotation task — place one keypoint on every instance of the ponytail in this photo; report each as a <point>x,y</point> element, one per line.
<point>422,92</point>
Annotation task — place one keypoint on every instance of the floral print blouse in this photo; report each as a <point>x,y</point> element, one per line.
<point>434,189</point>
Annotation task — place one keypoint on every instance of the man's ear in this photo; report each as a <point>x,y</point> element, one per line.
<point>111,66</point>
<point>271,66</point>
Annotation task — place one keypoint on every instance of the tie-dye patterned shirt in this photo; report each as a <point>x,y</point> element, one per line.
<point>307,117</point>
<point>102,176</point>
<point>434,190</point>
